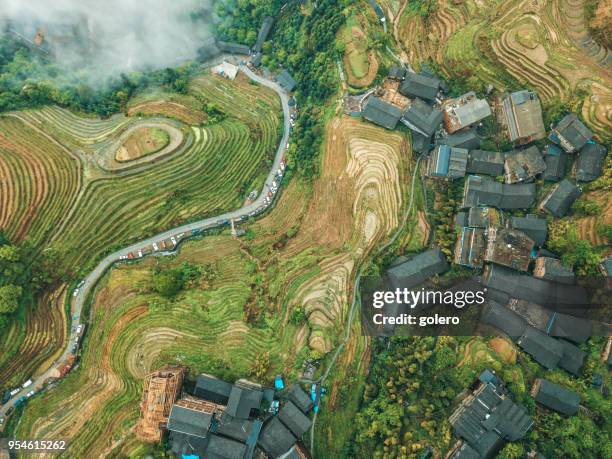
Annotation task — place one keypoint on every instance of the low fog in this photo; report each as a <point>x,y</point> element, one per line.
<point>99,39</point>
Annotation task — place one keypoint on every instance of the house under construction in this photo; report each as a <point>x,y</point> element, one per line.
<point>161,390</point>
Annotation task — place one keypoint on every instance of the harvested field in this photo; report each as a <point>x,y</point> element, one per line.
<point>181,108</point>
<point>142,142</point>
<point>360,61</point>
<point>504,349</point>
<point>587,226</point>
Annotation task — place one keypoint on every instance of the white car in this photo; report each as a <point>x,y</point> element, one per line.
<point>140,253</point>
<point>155,247</point>
<point>173,239</point>
<point>81,284</point>
<point>79,329</point>
<point>75,292</point>
<point>29,394</point>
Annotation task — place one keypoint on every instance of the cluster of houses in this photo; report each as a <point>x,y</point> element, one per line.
<point>488,418</point>
<point>532,297</point>
<point>218,420</point>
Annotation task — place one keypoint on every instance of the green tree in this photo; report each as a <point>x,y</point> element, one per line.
<point>9,298</point>
<point>168,283</point>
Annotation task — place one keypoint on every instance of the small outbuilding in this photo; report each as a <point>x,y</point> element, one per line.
<point>561,198</point>
<point>286,81</point>
<point>556,397</point>
<point>590,162</point>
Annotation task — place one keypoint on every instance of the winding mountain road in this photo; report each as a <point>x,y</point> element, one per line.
<point>92,279</point>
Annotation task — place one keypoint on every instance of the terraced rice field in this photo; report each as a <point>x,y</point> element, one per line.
<point>304,253</point>
<point>512,44</point>
<point>54,192</point>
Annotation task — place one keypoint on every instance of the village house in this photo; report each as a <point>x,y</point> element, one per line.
<point>560,200</point>
<point>590,162</point>
<point>509,247</point>
<point>286,81</point>
<point>555,159</point>
<point>420,85</point>
<point>382,113</point>
<point>470,247</point>
<point>556,397</point>
<point>523,165</point>
<point>233,48</point>
<point>554,270</point>
<point>485,162</point>
<point>397,73</point>
<point>446,162</point>
<point>532,225</point>
<point>482,217</point>
<point>486,420</point>
<point>570,134</point>
<point>522,115</point>
<point>422,118</point>
<point>264,31</point>
<point>484,191</point>
<point>465,111</point>
<point>465,139</point>
<point>410,272</point>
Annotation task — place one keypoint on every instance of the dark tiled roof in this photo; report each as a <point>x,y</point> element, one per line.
<point>590,162</point>
<point>555,167</point>
<point>238,429</point>
<point>266,25</point>
<point>286,81</point>
<point>233,48</point>
<point>557,397</point>
<point>479,217</point>
<point>182,444</point>
<point>572,358</point>
<point>545,350</point>
<point>299,397</point>
<point>509,247</point>
<point>504,319</point>
<point>418,269</point>
<point>484,191</point>
<point>419,85</point>
<point>465,451</point>
<point>422,118</point>
<point>212,389</point>
<point>561,198</point>
<point>242,401</point>
<point>573,328</point>
<point>397,72</point>
<point>464,139</point>
<point>512,284</point>
<point>190,422</point>
<point>553,269</point>
<point>521,165</point>
<point>420,143</point>
<point>224,448</point>
<point>294,419</point>
<point>461,219</point>
<point>275,438</point>
<point>485,162</point>
<point>570,133</point>
<point>533,226</point>
<point>256,59</point>
<point>382,113</point>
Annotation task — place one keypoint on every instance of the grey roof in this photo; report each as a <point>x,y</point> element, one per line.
<point>397,72</point>
<point>572,358</point>
<point>607,265</point>
<point>507,283</point>
<point>555,166</point>
<point>298,397</point>
<point>488,418</point>
<point>238,429</point>
<point>484,191</point>
<point>521,165</point>
<point>461,219</point>
<point>485,162</point>
<point>286,81</point>
<point>233,48</point>
<point>275,438</point>
<point>190,422</point>
<point>420,143</point>
<point>256,59</point>
<point>504,319</point>
<point>533,226</point>
<point>418,269</point>
<point>382,113</point>
<point>557,397</point>
<point>422,118</point>
<point>224,448</point>
<point>242,401</point>
<point>420,85</point>
<point>448,162</point>
<point>590,162</point>
<point>187,444</point>
<point>570,133</point>
<point>294,419</point>
<point>212,389</point>
<point>478,217</point>
<point>264,30</point>
<point>570,327</point>
<point>523,114</point>
<point>553,269</point>
<point>509,247</point>
<point>465,451</point>
<point>472,112</point>
<point>561,198</point>
<point>463,139</point>
<point>545,350</point>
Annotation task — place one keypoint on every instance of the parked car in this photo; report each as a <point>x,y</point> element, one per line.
<point>173,239</point>
<point>27,384</point>
<point>75,292</point>
<point>29,394</point>
<point>155,247</point>
<point>140,253</point>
